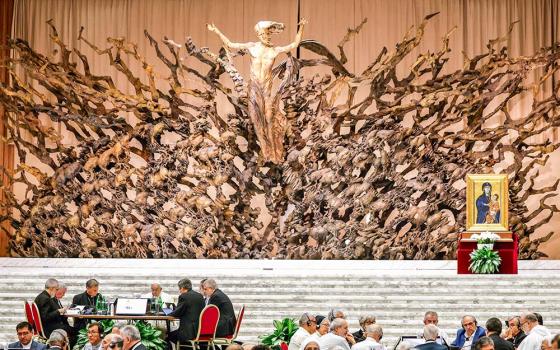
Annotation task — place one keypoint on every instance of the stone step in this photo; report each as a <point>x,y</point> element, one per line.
<point>397,293</point>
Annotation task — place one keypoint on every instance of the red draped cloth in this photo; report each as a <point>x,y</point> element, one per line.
<point>507,251</point>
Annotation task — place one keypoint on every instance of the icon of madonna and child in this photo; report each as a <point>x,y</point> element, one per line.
<point>488,206</point>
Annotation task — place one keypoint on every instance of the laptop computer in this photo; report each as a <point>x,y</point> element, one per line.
<point>131,306</point>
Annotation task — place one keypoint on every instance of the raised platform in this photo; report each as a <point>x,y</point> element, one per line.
<point>396,292</point>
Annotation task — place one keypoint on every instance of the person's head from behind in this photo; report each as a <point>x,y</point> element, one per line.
<point>234,346</point>
<point>539,318</point>
<point>24,332</point>
<point>469,324</point>
<point>336,313</point>
<point>404,345</point>
<point>208,287</point>
<point>61,291</point>
<point>374,331</point>
<point>130,335</point>
<point>366,321</point>
<point>493,326</point>
<point>94,333</point>
<point>555,342</point>
<point>184,285</point>
<point>58,339</point>
<point>112,341</point>
<point>308,322</point>
<point>431,317</point>
<point>51,286</point>
<point>248,346</point>
<point>92,287</point>
<point>339,326</point>
<point>430,332</point>
<point>323,324</point>
<point>261,347</point>
<point>484,343</point>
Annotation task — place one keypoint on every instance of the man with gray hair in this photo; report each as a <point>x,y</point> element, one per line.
<point>131,338</point>
<point>188,310</point>
<point>112,341</point>
<point>373,334</point>
<point>430,335</point>
<point>535,332</point>
<point>431,317</point>
<point>307,326</point>
<point>58,340</point>
<point>214,296</point>
<point>484,343</point>
<point>337,336</point>
<point>51,313</point>
<point>366,320</point>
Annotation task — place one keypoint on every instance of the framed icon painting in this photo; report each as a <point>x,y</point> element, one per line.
<point>487,202</point>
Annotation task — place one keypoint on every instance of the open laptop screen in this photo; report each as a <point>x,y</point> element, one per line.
<point>130,306</point>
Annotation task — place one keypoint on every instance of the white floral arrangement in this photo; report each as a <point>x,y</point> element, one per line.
<point>485,237</point>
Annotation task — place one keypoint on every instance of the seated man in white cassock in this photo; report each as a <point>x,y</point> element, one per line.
<point>157,292</point>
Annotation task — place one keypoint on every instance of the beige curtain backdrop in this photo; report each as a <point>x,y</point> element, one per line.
<point>476,22</point>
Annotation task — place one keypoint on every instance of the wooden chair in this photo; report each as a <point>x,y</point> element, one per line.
<point>37,320</point>
<point>230,338</point>
<point>207,324</point>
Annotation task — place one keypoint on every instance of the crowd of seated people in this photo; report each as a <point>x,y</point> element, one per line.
<point>315,332</point>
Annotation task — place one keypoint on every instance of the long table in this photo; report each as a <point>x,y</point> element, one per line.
<point>167,319</point>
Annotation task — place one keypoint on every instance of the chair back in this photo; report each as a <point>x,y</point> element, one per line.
<point>29,316</point>
<point>208,323</point>
<point>238,323</point>
<point>283,346</point>
<point>37,319</point>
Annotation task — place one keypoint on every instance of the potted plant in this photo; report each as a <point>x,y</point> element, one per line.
<point>485,260</point>
<point>283,332</point>
<point>485,239</point>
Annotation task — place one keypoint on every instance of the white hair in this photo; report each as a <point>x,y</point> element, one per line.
<point>337,323</point>
<point>404,345</point>
<point>430,332</point>
<point>374,329</point>
<point>51,283</point>
<point>130,331</point>
<point>210,283</point>
<point>58,337</point>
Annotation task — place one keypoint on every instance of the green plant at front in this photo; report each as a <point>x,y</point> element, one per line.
<point>151,336</point>
<point>283,332</point>
<point>485,261</point>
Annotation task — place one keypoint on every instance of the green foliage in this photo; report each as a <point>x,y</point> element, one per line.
<point>485,261</point>
<point>151,336</point>
<point>283,332</point>
<point>107,326</point>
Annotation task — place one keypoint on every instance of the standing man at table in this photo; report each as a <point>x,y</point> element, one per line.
<point>226,324</point>
<point>87,298</point>
<point>188,310</point>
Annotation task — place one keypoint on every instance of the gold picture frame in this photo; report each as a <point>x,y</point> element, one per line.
<point>487,202</point>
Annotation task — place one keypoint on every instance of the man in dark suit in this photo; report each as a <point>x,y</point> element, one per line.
<point>188,310</point>
<point>226,324</point>
<point>51,314</point>
<point>430,335</point>
<point>493,331</point>
<point>131,338</point>
<point>87,298</point>
<point>25,336</point>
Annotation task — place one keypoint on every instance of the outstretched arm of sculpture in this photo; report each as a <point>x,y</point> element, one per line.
<point>297,40</point>
<point>227,43</point>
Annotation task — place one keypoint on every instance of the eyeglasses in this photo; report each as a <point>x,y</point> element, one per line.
<point>92,332</point>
